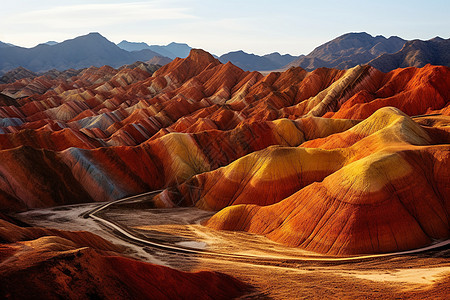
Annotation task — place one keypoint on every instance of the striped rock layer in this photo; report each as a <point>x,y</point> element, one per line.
<point>322,160</point>
<point>381,186</point>
<point>42,263</point>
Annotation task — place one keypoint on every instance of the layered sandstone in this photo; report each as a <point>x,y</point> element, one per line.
<point>41,263</point>
<point>214,136</point>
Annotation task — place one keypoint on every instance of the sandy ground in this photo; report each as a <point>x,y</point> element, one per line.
<point>275,271</point>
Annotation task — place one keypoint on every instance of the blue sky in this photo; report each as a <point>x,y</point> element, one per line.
<point>259,27</point>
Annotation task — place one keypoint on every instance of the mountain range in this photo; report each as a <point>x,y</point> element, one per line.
<point>415,53</point>
<point>84,51</point>
<point>348,50</point>
<point>253,62</point>
<point>171,50</point>
<point>343,52</point>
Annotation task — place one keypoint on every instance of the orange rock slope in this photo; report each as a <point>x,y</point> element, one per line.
<point>40,263</point>
<point>384,188</point>
<point>212,135</point>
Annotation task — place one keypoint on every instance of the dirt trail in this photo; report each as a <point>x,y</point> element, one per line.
<point>276,271</point>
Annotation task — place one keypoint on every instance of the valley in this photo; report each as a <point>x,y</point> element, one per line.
<point>200,180</point>
<point>253,259</point>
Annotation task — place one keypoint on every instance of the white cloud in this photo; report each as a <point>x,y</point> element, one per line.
<point>89,15</point>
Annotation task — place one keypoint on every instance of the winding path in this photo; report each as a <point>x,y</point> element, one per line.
<point>122,232</point>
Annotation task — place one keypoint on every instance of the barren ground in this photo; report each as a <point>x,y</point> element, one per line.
<point>275,271</point>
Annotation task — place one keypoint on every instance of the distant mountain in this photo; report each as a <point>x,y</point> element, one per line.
<point>348,50</point>
<point>416,53</point>
<point>5,45</point>
<point>84,51</point>
<point>248,62</point>
<point>51,43</point>
<point>132,46</point>
<point>171,50</point>
<point>252,62</point>
<point>178,49</point>
<point>281,60</point>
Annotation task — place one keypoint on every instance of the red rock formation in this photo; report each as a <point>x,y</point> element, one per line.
<point>204,130</point>
<point>10,233</point>
<point>42,263</point>
<point>415,91</point>
<point>386,190</point>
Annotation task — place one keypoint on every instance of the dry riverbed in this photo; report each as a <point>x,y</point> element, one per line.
<point>275,271</point>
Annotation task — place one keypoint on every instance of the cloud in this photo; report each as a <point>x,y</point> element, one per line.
<point>89,15</point>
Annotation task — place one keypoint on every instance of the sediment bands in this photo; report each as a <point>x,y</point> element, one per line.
<point>333,161</point>
<point>380,186</point>
<point>42,263</point>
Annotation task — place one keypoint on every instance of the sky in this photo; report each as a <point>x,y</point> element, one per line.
<point>260,27</point>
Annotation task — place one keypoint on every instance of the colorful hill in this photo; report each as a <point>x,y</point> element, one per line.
<point>381,186</point>
<point>283,148</point>
<point>41,263</point>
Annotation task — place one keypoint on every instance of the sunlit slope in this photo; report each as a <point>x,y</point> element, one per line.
<point>390,194</point>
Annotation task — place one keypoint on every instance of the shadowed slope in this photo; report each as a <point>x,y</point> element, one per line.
<point>42,263</point>
<point>415,53</point>
<point>348,50</point>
